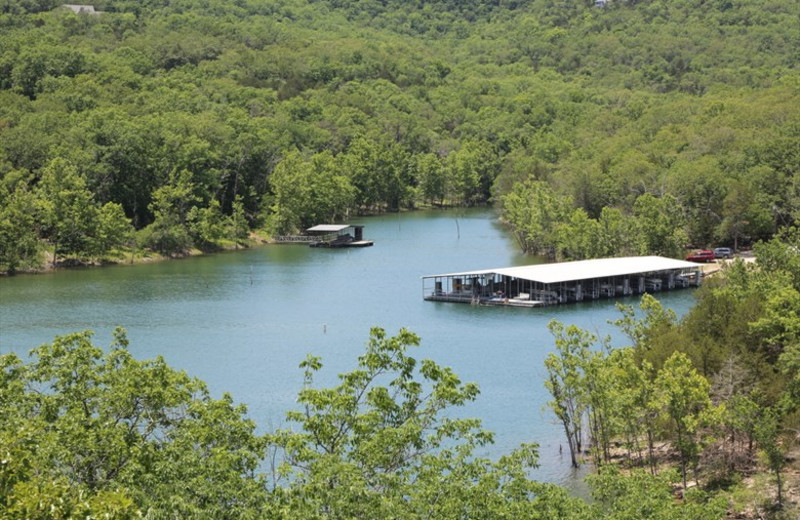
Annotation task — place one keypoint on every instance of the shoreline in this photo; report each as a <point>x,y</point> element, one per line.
<point>130,258</point>
<point>255,240</point>
<point>136,257</point>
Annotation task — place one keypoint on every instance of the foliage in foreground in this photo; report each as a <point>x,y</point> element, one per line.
<point>379,445</point>
<point>93,434</point>
<point>715,393</point>
<point>88,434</point>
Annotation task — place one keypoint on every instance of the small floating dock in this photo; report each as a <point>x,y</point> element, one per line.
<point>552,284</point>
<point>338,235</point>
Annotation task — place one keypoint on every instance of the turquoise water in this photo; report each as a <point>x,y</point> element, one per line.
<point>243,321</point>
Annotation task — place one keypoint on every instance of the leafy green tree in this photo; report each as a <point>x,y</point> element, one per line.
<point>308,192</point>
<point>379,171</point>
<point>742,416</point>
<point>779,325</point>
<point>634,405</point>
<point>700,186</point>
<point>430,175</point>
<point>88,433</point>
<point>789,365</point>
<point>19,241</point>
<point>385,443</point>
<point>172,203</point>
<point>642,496</point>
<point>618,234</point>
<point>112,229</point>
<point>206,225</point>
<point>648,331</point>
<point>780,254</point>
<point>718,324</point>
<point>332,195</point>
<point>127,158</point>
<point>534,212</point>
<point>685,399</point>
<point>364,165</point>
<point>35,64</point>
<point>28,145</point>
<point>579,238</point>
<point>566,382</point>
<point>741,214</point>
<point>238,228</point>
<point>767,433</point>
<point>289,196</point>
<point>601,383</point>
<point>661,225</point>
<point>636,172</point>
<point>67,210</point>
<point>470,172</point>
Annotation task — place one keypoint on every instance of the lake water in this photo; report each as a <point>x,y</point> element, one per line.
<point>243,321</point>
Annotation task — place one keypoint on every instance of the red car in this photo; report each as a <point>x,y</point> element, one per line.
<point>704,255</point>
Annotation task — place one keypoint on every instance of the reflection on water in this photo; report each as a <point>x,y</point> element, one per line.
<point>243,321</point>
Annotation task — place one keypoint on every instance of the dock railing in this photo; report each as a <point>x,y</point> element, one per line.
<point>297,239</point>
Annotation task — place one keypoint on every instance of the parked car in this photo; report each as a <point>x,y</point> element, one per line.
<point>723,252</point>
<point>704,255</point>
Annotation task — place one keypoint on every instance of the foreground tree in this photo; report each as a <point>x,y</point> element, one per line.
<point>384,443</point>
<point>643,496</point>
<point>90,434</point>
<point>566,382</point>
<point>685,400</point>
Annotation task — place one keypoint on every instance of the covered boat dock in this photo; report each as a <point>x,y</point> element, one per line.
<point>338,235</point>
<point>551,284</point>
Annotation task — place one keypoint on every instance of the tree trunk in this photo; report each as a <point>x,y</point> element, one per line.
<point>651,455</point>
<point>683,460</point>
<point>571,444</point>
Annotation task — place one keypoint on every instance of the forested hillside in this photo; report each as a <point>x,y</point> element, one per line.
<point>634,128</point>
<point>169,125</point>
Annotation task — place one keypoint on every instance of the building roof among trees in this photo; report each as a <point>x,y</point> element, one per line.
<point>77,8</point>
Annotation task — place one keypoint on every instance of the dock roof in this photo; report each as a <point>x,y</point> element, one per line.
<point>332,228</point>
<point>328,228</point>
<point>582,269</point>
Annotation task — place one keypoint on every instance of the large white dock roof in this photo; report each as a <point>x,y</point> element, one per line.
<point>582,269</point>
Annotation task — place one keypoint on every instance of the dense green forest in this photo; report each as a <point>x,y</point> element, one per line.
<point>164,126</point>
<point>696,419</point>
<point>639,127</point>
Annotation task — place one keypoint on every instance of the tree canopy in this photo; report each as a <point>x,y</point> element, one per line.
<point>93,433</point>
<point>680,114</point>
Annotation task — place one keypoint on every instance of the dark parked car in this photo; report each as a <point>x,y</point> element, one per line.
<point>723,252</point>
<point>705,255</point>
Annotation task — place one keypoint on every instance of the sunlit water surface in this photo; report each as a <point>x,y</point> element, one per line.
<point>243,321</point>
